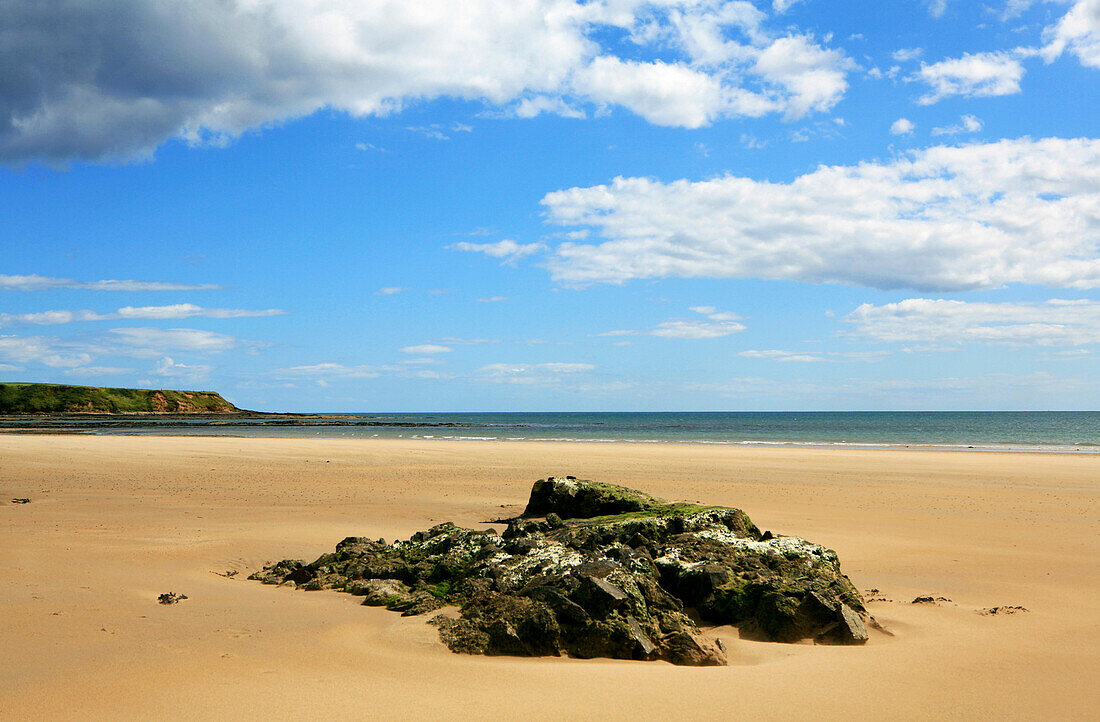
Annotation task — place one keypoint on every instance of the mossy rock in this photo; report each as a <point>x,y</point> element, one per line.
<point>572,498</point>
<point>609,572</point>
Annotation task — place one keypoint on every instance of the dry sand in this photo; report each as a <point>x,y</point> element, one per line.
<point>115,521</point>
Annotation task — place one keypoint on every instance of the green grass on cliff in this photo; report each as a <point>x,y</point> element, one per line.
<point>58,399</point>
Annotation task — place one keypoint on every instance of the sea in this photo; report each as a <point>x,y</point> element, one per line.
<point>1048,431</point>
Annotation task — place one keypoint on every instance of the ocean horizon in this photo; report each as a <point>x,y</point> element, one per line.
<point>1051,431</point>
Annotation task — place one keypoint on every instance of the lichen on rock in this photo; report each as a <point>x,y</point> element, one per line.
<point>607,572</point>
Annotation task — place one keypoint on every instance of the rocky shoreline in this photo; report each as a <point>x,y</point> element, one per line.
<point>598,570</point>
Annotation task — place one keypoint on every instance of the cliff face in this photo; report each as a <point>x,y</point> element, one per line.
<point>61,399</point>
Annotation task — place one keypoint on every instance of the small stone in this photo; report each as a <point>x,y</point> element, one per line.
<point>1008,609</point>
<point>849,628</point>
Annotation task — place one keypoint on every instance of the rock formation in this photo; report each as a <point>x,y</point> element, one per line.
<point>597,570</point>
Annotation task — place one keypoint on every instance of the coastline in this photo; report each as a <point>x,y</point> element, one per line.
<point>1083,449</point>
<point>1030,432</point>
<point>116,520</point>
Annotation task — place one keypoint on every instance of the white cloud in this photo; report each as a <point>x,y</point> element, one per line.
<point>507,250</point>
<point>130,342</point>
<point>210,69</point>
<point>936,8</point>
<point>1015,8</point>
<point>98,371</point>
<point>540,374</point>
<point>34,282</point>
<point>972,75</point>
<point>168,368</point>
<point>436,131</point>
<point>1053,323</point>
<point>782,356</point>
<point>492,299</point>
<point>456,341</point>
<point>679,328</point>
<point>328,370</point>
<point>662,93</point>
<point>782,6</point>
<point>22,349</point>
<point>902,126</point>
<point>904,55</point>
<point>158,340</point>
<point>1078,31</point>
<point>425,361</point>
<point>426,349</point>
<point>717,325</point>
<point>388,291</point>
<point>966,124</point>
<point>943,218</point>
<point>812,76</point>
<point>532,107</point>
<point>174,311</point>
<point>45,350</point>
<point>66,360</point>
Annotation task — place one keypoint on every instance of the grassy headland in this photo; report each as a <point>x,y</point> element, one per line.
<point>17,398</point>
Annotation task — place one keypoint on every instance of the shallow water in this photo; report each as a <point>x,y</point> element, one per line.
<point>1021,431</point>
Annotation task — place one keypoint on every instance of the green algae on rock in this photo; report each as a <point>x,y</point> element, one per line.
<point>609,572</point>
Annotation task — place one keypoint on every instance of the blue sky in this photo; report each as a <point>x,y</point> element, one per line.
<point>554,204</point>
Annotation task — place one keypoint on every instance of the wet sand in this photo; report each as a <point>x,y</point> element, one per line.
<point>115,521</point>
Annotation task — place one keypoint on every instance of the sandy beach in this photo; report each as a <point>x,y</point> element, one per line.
<point>115,521</point>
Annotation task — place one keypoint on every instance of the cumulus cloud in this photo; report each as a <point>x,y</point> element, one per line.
<point>938,321</point>
<point>966,124</point>
<point>34,282</point>
<point>507,250</point>
<point>1078,31</point>
<point>942,218</point>
<point>972,75</point>
<point>812,76</point>
<point>664,93</point>
<point>93,80</point>
<point>902,126</point>
<point>173,311</point>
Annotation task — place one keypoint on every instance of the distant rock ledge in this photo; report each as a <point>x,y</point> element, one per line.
<point>598,570</point>
<point>63,399</point>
